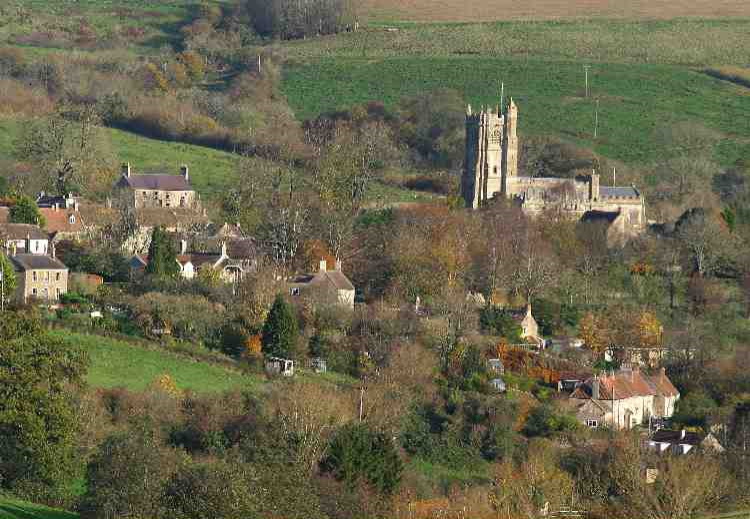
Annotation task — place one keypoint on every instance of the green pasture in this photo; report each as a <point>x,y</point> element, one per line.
<point>692,42</point>
<point>122,364</point>
<point>634,100</point>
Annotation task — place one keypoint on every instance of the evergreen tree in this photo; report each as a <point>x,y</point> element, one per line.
<point>8,284</point>
<point>25,210</point>
<point>359,453</point>
<point>162,255</point>
<point>280,330</point>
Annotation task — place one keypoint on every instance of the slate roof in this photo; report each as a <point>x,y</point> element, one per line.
<point>600,216</point>
<point>19,231</point>
<point>669,436</point>
<point>37,262</point>
<point>618,192</point>
<point>157,182</point>
<point>334,277</point>
<point>199,258</point>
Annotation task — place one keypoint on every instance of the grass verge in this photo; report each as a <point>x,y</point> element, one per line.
<point>15,509</point>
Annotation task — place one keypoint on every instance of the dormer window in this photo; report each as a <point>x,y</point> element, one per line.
<point>72,219</point>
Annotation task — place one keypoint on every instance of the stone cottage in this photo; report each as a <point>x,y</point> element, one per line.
<point>158,190</point>
<point>624,399</point>
<point>329,286</point>
<point>39,277</point>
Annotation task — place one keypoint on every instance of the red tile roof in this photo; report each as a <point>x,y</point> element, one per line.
<point>627,383</point>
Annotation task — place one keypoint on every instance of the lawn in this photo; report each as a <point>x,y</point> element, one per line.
<point>633,99</point>
<point>119,364</point>
<point>15,509</point>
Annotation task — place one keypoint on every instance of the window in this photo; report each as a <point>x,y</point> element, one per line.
<point>294,291</point>
<point>33,292</point>
<point>592,423</point>
<point>33,275</point>
<point>57,293</point>
<point>182,201</point>
<point>72,219</point>
<point>46,277</point>
<point>57,277</point>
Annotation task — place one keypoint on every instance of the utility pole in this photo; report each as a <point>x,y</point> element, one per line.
<point>596,119</point>
<point>614,176</point>
<point>2,288</point>
<point>586,71</point>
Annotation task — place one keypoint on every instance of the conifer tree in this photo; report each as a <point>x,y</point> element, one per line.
<point>280,330</point>
<point>8,275</point>
<point>162,256</point>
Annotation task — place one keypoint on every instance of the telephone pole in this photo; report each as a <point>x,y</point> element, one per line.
<point>586,72</point>
<point>596,119</point>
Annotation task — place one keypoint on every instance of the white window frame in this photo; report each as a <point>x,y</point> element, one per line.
<point>594,424</point>
<point>294,291</point>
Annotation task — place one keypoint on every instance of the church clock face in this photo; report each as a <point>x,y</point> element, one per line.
<point>496,135</point>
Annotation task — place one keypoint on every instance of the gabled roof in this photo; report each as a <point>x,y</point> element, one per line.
<point>334,277</point>
<point>37,262</point>
<point>627,383</point>
<point>57,220</point>
<point>157,182</point>
<point>199,259</point>
<point>19,231</point>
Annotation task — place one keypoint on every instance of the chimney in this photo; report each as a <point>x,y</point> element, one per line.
<point>126,170</point>
<point>75,206</point>
<point>595,388</point>
<point>682,434</point>
<point>54,252</point>
<point>27,244</point>
<point>183,246</point>
<point>323,265</point>
<point>184,172</point>
<point>594,187</point>
<point>338,265</point>
<point>224,249</point>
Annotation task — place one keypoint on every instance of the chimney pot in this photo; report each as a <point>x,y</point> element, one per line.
<point>183,246</point>
<point>184,171</point>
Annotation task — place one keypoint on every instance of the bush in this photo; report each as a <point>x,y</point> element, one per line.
<point>500,322</point>
<point>359,454</point>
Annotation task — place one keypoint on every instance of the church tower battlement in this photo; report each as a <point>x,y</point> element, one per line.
<point>491,153</point>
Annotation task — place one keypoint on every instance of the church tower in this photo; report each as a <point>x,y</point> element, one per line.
<point>510,145</point>
<point>491,154</point>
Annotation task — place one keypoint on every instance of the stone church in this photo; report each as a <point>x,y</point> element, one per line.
<point>491,170</point>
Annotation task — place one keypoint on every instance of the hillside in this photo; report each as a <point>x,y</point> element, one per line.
<point>119,364</point>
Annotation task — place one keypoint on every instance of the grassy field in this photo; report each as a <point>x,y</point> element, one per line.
<point>484,10</point>
<point>633,99</point>
<point>694,42</point>
<point>119,364</point>
<point>134,26</point>
<point>15,509</point>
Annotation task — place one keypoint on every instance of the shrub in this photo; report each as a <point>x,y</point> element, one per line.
<point>358,453</point>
